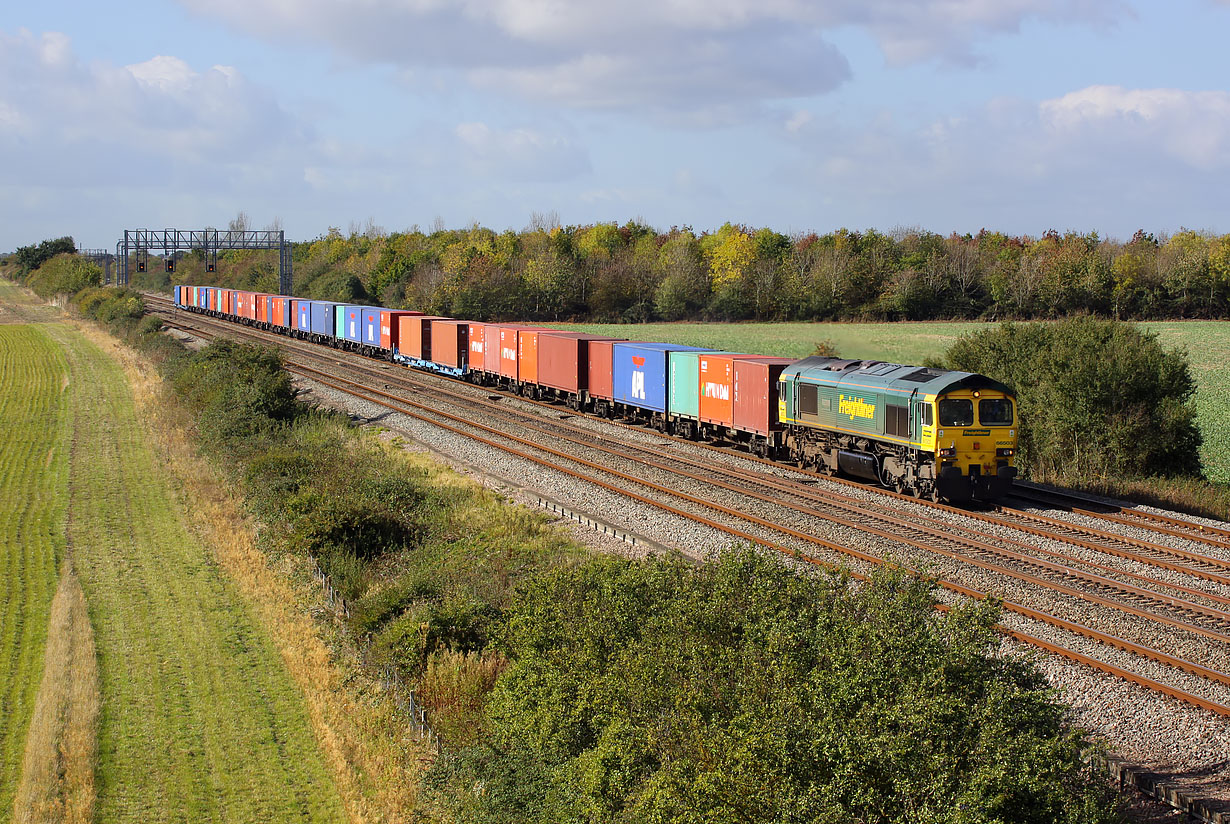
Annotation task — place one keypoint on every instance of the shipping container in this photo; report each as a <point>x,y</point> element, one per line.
<point>685,384</point>
<point>640,376</point>
<point>527,354</point>
<point>371,325</point>
<point>476,358</point>
<point>755,407</point>
<point>414,336</point>
<point>510,350</point>
<point>303,315</point>
<point>228,302</point>
<point>601,379</point>
<point>350,322</point>
<point>280,312</point>
<point>716,387</point>
<point>324,314</point>
<point>450,343</point>
<point>491,348</point>
<point>390,325</point>
<point>563,360</point>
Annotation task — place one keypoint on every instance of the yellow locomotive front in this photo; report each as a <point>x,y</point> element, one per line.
<point>975,442</point>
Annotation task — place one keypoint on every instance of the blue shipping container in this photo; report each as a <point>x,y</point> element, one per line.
<point>303,315</point>
<point>640,373</point>
<point>371,325</point>
<point>177,302</point>
<point>322,322</point>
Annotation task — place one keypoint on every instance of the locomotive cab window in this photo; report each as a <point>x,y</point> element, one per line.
<point>995,412</point>
<point>956,412</point>
<point>807,399</point>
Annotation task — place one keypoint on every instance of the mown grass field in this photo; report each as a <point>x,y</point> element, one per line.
<point>33,467</point>
<point>199,720</point>
<point>1207,344</point>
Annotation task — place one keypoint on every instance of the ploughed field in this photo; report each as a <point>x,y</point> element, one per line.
<point>169,703</point>
<point>1207,344</point>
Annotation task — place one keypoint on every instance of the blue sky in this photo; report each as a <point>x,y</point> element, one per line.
<point>948,115</point>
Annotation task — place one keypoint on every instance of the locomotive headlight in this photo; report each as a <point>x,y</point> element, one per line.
<point>1005,453</point>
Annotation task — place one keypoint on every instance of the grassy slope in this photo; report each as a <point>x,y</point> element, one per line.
<point>1207,343</point>
<point>199,719</point>
<point>33,466</point>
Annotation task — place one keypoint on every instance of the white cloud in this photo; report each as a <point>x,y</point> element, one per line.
<point>1097,158</point>
<point>1191,126</point>
<point>660,55</point>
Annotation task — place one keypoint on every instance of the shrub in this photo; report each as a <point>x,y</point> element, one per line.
<point>1096,398</point>
<point>742,691</point>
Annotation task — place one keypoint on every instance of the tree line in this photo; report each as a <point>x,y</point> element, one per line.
<point>633,273</point>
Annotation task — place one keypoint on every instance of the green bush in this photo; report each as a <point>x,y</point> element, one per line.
<point>239,391</point>
<point>742,691</point>
<point>1097,398</point>
<point>64,274</point>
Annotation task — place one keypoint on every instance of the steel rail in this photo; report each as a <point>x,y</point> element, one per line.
<point>399,405</point>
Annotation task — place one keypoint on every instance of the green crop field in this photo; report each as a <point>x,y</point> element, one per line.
<point>33,466</point>
<point>1207,344</point>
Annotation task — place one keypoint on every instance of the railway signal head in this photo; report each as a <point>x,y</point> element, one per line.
<point>209,267</point>
<point>170,264</point>
<point>141,266</point>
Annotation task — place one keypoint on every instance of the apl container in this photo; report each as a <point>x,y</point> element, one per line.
<point>349,322</point>
<point>371,325</point>
<point>303,315</point>
<point>640,374</point>
<point>563,360</point>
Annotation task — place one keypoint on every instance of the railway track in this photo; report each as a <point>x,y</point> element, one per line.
<point>1178,605</point>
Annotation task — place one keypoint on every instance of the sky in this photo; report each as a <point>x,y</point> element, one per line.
<point>799,115</point>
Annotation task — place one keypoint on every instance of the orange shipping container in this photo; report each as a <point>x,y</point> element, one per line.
<point>510,350</point>
<point>717,379</point>
<point>477,336</point>
<point>601,369</point>
<point>449,342</point>
<point>414,336</point>
<point>527,353</point>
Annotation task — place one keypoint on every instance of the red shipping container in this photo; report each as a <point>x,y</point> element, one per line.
<point>477,357</point>
<point>242,304</point>
<point>390,325</point>
<point>261,300</point>
<point>563,359</point>
<point>450,342</point>
<point>717,379</point>
<point>228,302</point>
<point>601,379</point>
<point>414,336</point>
<point>755,404</point>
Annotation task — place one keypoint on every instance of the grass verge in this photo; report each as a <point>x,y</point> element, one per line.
<point>198,719</point>
<point>33,472</point>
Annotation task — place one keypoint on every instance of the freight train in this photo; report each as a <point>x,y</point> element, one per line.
<point>932,433</point>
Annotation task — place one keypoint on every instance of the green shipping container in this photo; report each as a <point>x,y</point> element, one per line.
<point>684,388</point>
